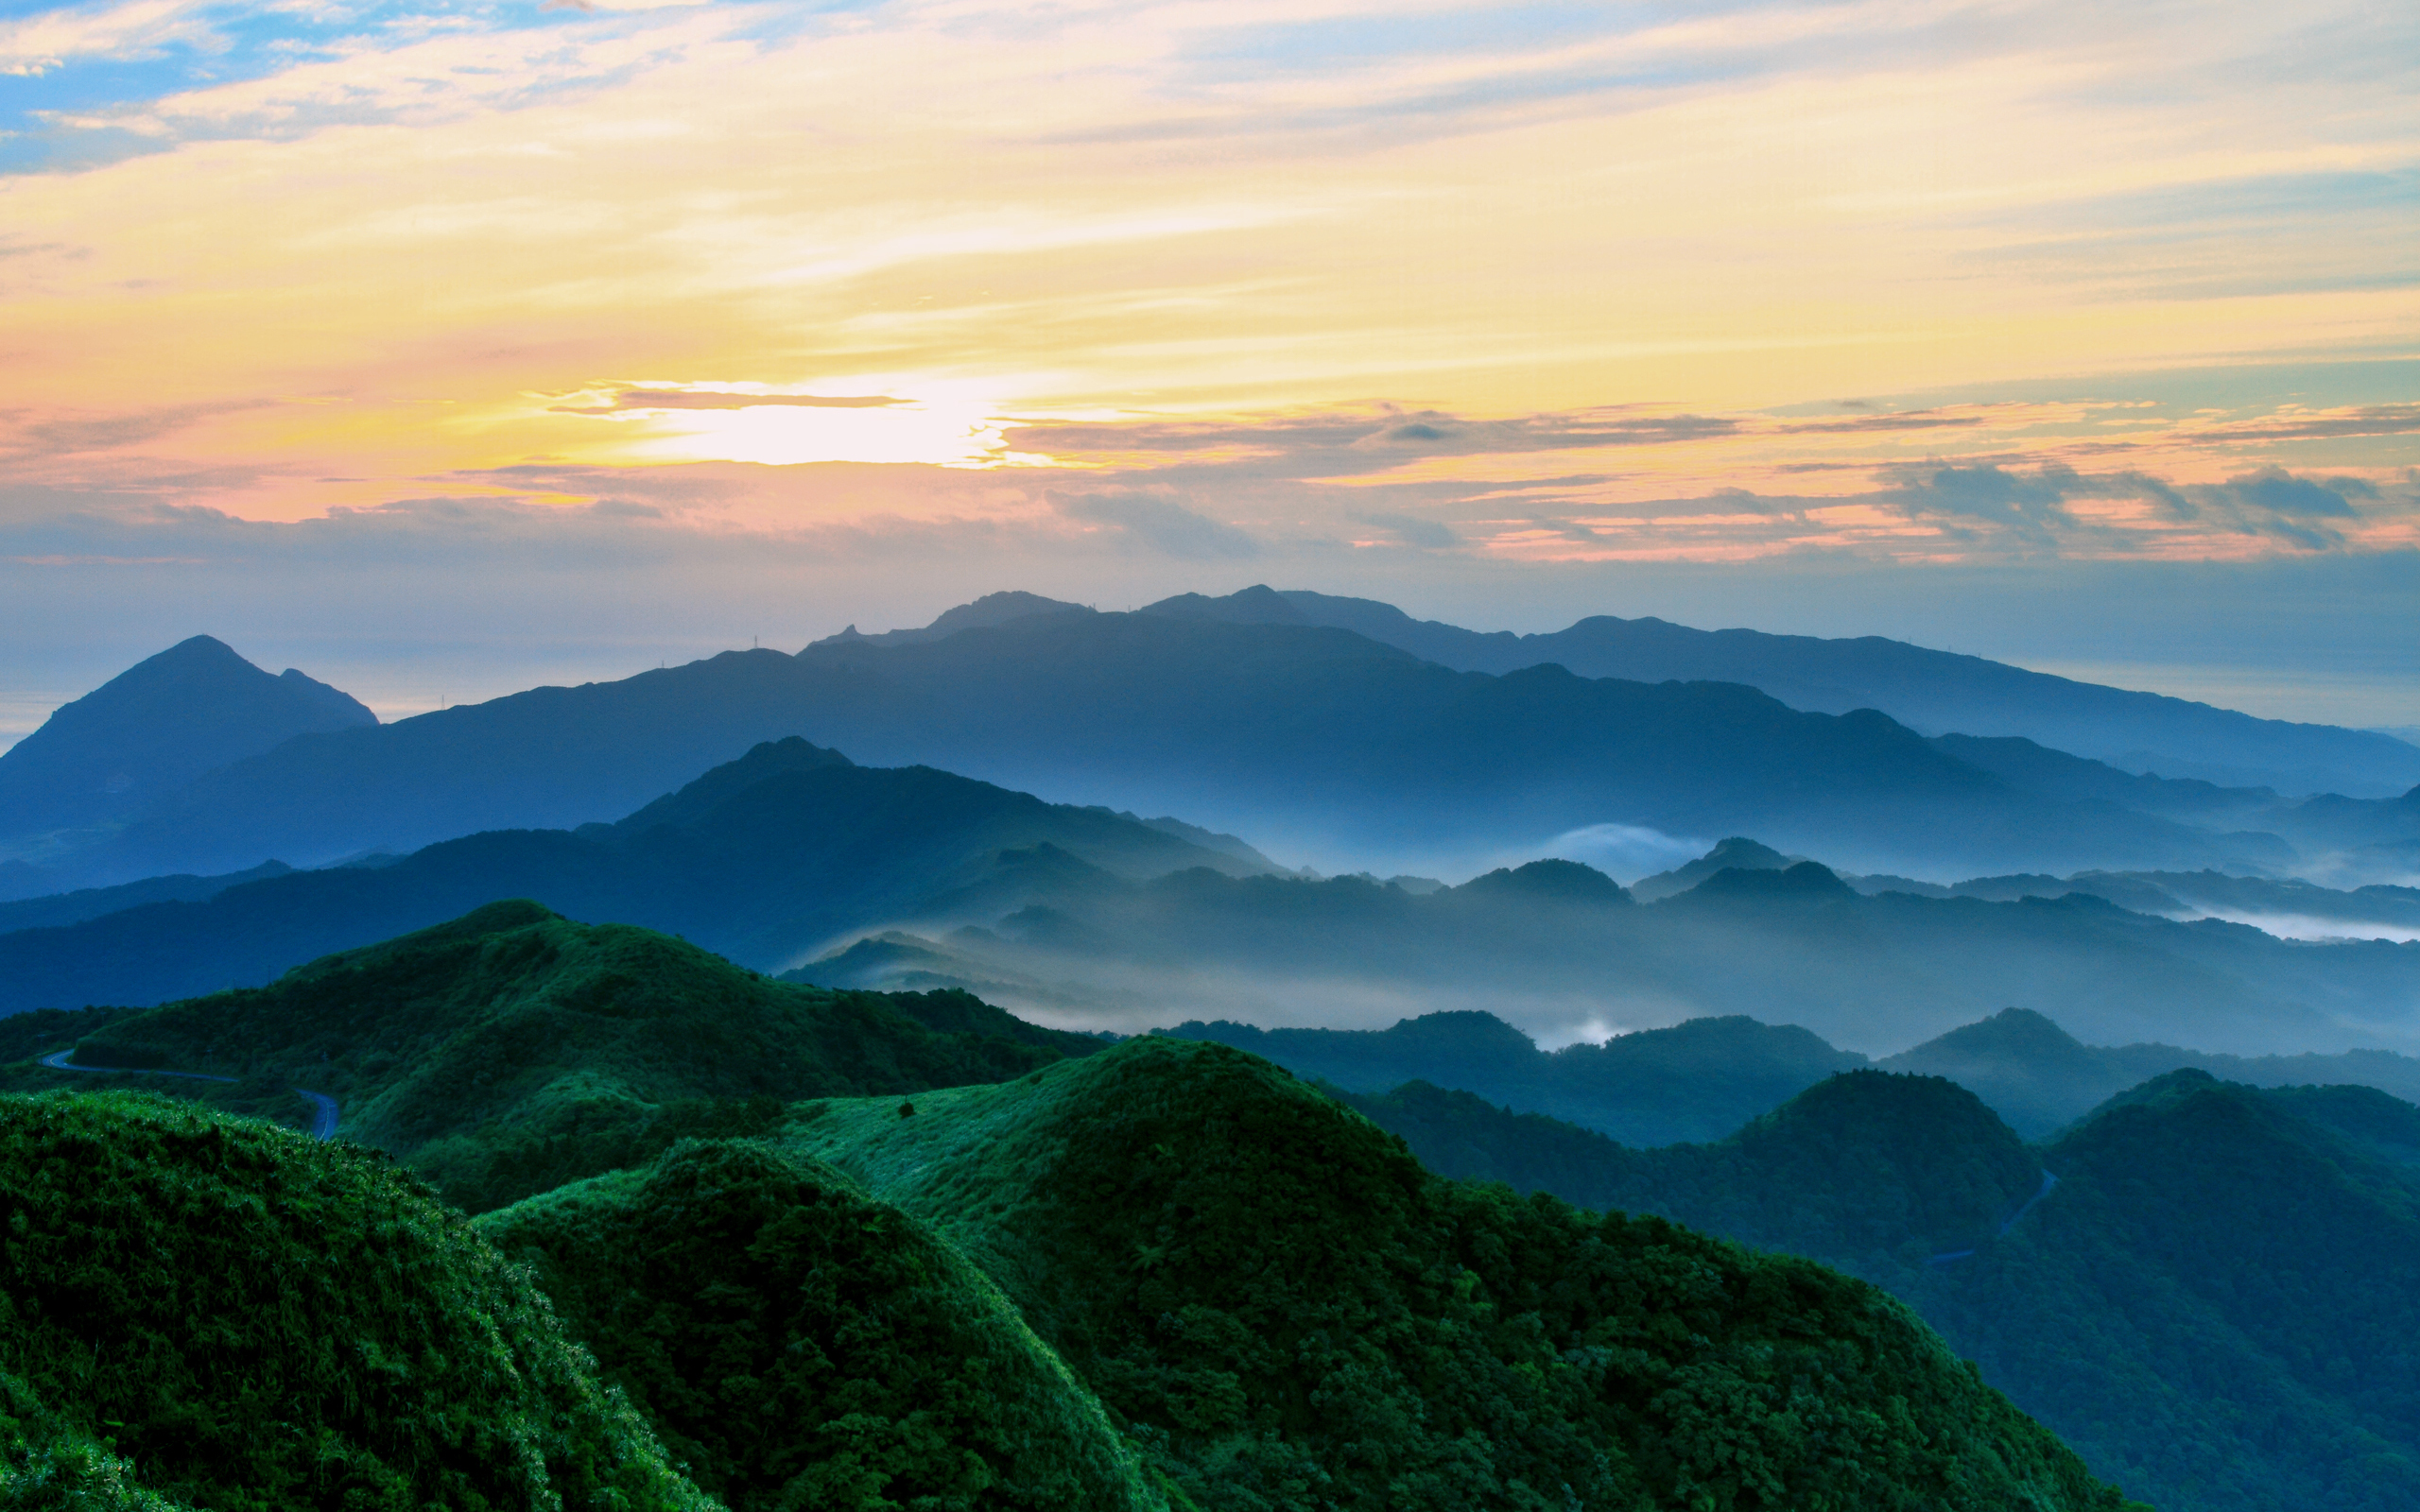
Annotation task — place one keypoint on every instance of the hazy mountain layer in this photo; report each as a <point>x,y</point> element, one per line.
<point>210,1312</point>
<point>148,731</point>
<point>1317,735</point>
<point>762,859</point>
<point>2212,1301</point>
<point>1797,946</point>
<point>1936,692</point>
<point>1292,1313</point>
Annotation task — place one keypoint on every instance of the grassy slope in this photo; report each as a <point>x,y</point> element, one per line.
<point>1289,1312</point>
<point>233,1316</point>
<point>512,1050</point>
<point>799,1345</point>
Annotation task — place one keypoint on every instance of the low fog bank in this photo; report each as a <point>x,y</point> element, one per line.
<point>1559,950</point>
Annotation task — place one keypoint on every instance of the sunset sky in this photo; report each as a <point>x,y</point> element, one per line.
<point>440,349</point>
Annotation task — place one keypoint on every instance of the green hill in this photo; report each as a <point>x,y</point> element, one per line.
<point>211,1312</point>
<point>512,1050</point>
<point>1287,1311</point>
<point>800,1345</point>
<point>2213,1304</point>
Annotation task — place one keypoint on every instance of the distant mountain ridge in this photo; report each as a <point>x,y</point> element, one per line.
<point>763,858</point>
<point>1283,730</point>
<point>1934,692</point>
<point>152,729</point>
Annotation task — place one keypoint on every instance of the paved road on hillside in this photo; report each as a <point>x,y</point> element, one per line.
<point>323,1107</point>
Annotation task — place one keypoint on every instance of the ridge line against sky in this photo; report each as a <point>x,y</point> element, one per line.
<point>1509,313</point>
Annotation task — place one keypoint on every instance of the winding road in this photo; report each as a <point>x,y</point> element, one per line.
<point>2039,1193</point>
<point>323,1107</point>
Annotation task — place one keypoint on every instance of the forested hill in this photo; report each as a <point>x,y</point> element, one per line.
<point>1292,1313</point>
<point>2210,1256</point>
<point>512,1050</point>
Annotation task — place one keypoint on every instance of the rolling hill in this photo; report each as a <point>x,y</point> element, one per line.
<point>1291,1313</point>
<point>512,1050</point>
<point>2208,1301</point>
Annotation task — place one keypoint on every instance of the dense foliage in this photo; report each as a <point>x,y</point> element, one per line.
<point>512,1050</point>
<point>233,1316</point>
<point>1289,1312</point>
<point>801,1347</point>
<point>2214,1305</point>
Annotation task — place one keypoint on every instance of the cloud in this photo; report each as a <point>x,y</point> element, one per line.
<point>2279,492</point>
<point>2032,505</point>
<point>1413,531</point>
<point>1161,523</point>
<point>723,399</point>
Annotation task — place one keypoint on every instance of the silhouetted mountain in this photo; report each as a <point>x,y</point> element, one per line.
<point>1308,731</point>
<point>2040,1078</point>
<point>2212,1301</point>
<point>49,912</point>
<point>152,729</point>
<point>985,613</point>
<point>1737,852</point>
<point>1937,692</point>
<point>1694,1081</point>
<point>764,859</point>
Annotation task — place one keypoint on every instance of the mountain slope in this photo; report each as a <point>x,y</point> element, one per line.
<point>1314,731</point>
<point>153,728</point>
<point>2210,1303</point>
<point>1936,692</point>
<point>250,1319</point>
<point>761,859</point>
<point>1292,1313</point>
<point>512,1050</point>
<point>798,1346</point>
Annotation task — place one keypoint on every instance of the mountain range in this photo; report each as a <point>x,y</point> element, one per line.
<point>764,859</point>
<point>1340,744</point>
<point>1935,692</point>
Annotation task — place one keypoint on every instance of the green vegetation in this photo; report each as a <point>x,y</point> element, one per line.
<point>512,1050</point>
<point>800,1345</point>
<point>1286,1311</point>
<point>2214,1306</point>
<point>216,1313</point>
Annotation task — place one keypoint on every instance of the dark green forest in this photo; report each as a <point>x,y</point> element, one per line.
<point>2214,1304</point>
<point>878,1251</point>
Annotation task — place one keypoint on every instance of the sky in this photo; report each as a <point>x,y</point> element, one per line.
<point>441,349</point>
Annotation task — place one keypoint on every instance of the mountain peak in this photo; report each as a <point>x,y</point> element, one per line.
<point>1568,881</point>
<point>1257,605</point>
<point>155,727</point>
